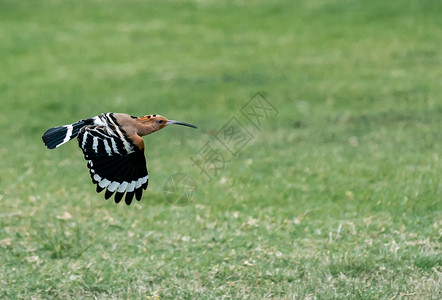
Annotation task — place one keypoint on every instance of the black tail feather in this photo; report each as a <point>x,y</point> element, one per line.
<point>57,136</point>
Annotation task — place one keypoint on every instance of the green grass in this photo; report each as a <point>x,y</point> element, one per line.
<point>338,197</point>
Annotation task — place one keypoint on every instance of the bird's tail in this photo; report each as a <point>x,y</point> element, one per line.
<point>57,136</point>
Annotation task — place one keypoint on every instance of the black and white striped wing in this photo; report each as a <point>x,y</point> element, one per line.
<point>115,163</point>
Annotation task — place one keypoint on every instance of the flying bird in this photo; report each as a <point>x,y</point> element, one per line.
<point>113,146</point>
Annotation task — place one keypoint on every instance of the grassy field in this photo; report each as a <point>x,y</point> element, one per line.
<point>336,195</point>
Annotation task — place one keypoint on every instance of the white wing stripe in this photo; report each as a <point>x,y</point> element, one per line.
<point>104,183</point>
<point>95,144</point>
<point>123,187</point>
<point>131,186</point>
<point>114,146</point>
<point>107,148</point>
<point>113,186</point>
<point>83,142</point>
<point>67,138</point>
<point>97,177</point>
<point>98,121</point>
<point>139,183</point>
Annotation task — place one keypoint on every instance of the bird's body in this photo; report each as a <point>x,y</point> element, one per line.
<point>113,146</point>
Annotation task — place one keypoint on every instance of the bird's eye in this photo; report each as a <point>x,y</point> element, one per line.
<point>160,121</point>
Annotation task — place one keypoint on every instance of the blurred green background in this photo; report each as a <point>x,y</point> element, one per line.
<point>337,197</point>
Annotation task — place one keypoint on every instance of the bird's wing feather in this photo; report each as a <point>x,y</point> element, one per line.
<point>115,162</point>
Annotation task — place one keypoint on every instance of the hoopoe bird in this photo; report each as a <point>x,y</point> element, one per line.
<point>113,146</point>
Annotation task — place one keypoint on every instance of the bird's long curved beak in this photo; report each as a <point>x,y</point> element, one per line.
<point>180,123</point>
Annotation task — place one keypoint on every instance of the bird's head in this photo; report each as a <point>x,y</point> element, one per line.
<point>152,123</point>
